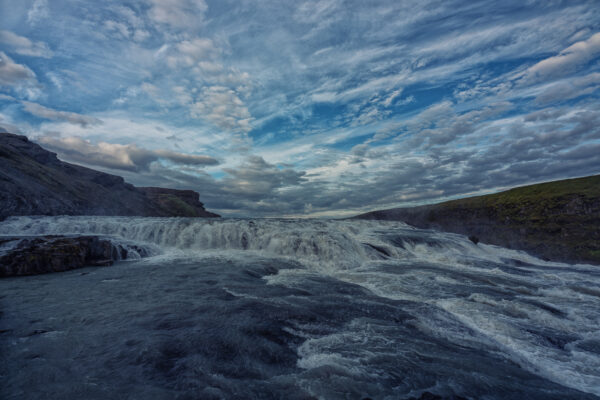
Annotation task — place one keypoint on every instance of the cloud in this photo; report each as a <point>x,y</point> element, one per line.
<point>22,45</point>
<point>257,179</point>
<point>189,52</point>
<point>125,23</point>
<point>569,89</point>
<point>117,27</point>
<point>6,97</point>
<point>492,152</point>
<point>566,61</point>
<point>186,159</point>
<point>178,14</point>
<point>117,156</point>
<point>222,107</point>
<point>56,81</point>
<point>199,81</point>
<point>153,91</point>
<point>415,103</point>
<point>49,113</point>
<point>12,73</point>
<point>6,124</point>
<point>38,11</point>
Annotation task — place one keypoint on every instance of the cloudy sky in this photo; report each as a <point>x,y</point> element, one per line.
<point>308,108</point>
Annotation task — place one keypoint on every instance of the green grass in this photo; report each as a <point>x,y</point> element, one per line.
<point>559,220</point>
<point>542,193</point>
<point>173,205</point>
<point>564,215</point>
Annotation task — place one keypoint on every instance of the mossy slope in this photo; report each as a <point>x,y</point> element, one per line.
<point>557,220</point>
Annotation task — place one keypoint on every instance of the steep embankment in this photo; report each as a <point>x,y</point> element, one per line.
<point>33,181</point>
<point>556,220</point>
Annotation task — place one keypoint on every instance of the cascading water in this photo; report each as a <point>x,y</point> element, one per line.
<point>240,308</point>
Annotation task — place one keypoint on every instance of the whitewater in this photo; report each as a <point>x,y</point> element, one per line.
<point>297,309</point>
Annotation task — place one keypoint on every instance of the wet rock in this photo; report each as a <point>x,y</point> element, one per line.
<point>38,255</point>
<point>431,396</point>
<point>38,332</point>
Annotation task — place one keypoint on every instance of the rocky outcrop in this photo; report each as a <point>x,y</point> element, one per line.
<point>181,202</point>
<point>33,181</point>
<point>431,396</point>
<point>42,254</point>
<point>555,220</point>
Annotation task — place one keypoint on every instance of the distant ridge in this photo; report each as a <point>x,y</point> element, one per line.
<point>33,181</point>
<point>557,220</point>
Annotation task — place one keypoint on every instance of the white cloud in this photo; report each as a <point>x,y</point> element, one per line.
<point>201,82</point>
<point>566,61</point>
<point>6,122</point>
<point>569,88</point>
<point>12,73</point>
<point>128,157</point>
<point>188,53</point>
<point>22,45</point>
<point>182,95</point>
<point>122,127</point>
<point>139,35</point>
<point>131,16</point>
<point>49,113</point>
<point>178,14</point>
<point>6,97</point>
<point>127,24</point>
<point>56,81</point>
<point>222,107</point>
<point>388,101</point>
<point>151,90</point>
<point>118,28</point>
<point>209,67</point>
<point>38,11</point>
<point>364,90</point>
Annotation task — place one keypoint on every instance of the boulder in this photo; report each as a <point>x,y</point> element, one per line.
<point>43,254</point>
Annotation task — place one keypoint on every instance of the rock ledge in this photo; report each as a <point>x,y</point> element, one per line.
<point>42,254</point>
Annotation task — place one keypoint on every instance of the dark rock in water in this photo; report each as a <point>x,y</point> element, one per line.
<point>474,239</point>
<point>38,255</point>
<point>431,396</point>
<point>33,181</point>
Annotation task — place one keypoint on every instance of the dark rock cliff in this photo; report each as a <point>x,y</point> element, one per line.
<point>555,220</point>
<point>180,202</point>
<point>33,181</point>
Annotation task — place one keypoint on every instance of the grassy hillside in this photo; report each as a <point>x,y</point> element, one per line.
<point>557,220</point>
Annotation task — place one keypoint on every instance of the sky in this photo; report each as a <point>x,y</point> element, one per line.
<point>308,108</point>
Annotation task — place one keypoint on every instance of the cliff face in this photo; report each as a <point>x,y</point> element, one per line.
<point>33,181</point>
<point>180,202</point>
<point>556,220</point>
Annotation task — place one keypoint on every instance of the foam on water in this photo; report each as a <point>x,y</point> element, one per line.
<point>338,244</point>
<point>544,316</point>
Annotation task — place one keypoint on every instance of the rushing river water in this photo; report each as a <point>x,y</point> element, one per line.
<point>297,309</point>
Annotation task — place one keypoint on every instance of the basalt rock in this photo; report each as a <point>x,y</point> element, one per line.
<point>33,181</point>
<point>180,202</point>
<point>42,254</point>
<point>557,220</point>
<point>431,396</point>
